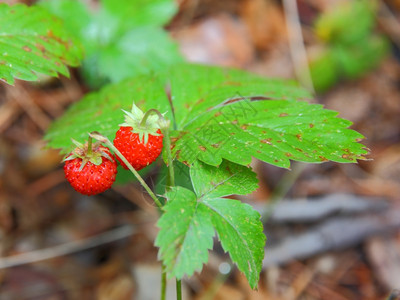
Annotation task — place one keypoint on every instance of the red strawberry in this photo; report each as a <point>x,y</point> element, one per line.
<point>134,150</point>
<point>90,169</point>
<point>139,139</point>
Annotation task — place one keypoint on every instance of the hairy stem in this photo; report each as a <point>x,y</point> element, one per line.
<point>163,283</point>
<point>171,172</point>
<point>164,125</point>
<point>89,147</point>
<point>178,290</point>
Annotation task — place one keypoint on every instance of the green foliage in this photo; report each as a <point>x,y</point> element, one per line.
<point>186,233</point>
<point>275,132</point>
<point>189,220</point>
<point>351,48</point>
<point>122,38</point>
<point>339,26</point>
<point>227,179</point>
<point>216,119</point>
<point>221,119</point>
<point>33,42</point>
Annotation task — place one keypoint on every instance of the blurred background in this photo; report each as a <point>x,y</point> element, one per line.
<point>333,229</point>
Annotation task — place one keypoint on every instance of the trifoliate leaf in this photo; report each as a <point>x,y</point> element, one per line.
<point>220,114</point>
<point>32,41</point>
<point>187,228</point>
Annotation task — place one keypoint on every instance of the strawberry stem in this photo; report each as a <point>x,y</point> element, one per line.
<point>167,147</point>
<point>164,126</point>
<point>163,283</point>
<point>89,146</point>
<point>106,141</point>
<point>149,113</point>
<point>178,289</point>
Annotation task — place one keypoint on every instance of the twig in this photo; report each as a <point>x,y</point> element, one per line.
<point>23,98</point>
<point>68,248</point>
<point>296,44</point>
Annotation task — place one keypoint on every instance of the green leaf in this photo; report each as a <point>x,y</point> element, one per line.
<point>182,177</point>
<point>241,234</point>
<point>220,114</point>
<point>141,12</point>
<point>227,179</point>
<point>33,41</point>
<point>338,26</point>
<point>274,131</point>
<point>137,53</point>
<point>186,233</point>
<point>187,228</point>
<point>74,13</point>
<point>122,38</point>
<point>101,111</point>
<point>324,70</point>
<point>189,83</point>
<point>355,61</point>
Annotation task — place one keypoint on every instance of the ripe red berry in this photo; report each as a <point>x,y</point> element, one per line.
<point>138,153</point>
<point>90,172</point>
<point>139,138</point>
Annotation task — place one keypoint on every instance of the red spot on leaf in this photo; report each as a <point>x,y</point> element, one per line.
<point>283,114</point>
<point>347,156</point>
<point>27,49</point>
<point>266,141</point>
<point>202,148</point>
<point>231,82</point>
<point>229,170</point>
<point>311,125</point>
<point>41,47</point>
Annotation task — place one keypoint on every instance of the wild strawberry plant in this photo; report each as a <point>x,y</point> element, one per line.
<point>220,120</point>
<point>213,122</point>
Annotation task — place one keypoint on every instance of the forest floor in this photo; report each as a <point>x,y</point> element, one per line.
<point>334,232</point>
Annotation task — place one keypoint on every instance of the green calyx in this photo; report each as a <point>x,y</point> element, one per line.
<point>143,123</point>
<point>88,152</point>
